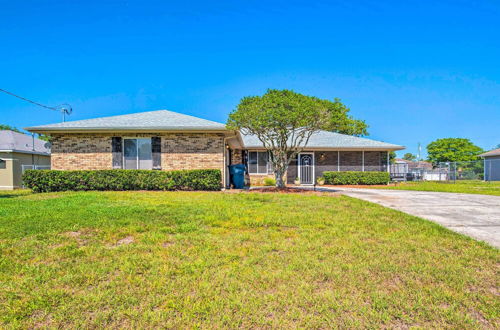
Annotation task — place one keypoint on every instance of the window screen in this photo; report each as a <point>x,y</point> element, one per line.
<point>145,155</point>
<point>252,162</point>
<point>258,162</point>
<point>137,154</point>
<point>262,162</point>
<point>130,154</point>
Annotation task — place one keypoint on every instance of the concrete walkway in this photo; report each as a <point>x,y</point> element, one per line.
<point>477,216</point>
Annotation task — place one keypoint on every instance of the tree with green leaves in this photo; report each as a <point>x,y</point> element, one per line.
<point>341,122</point>
<point>452,150</point>
<point>284,120</point>
<point>11,128</point>
<point>392,157</point>
<point>44,137</point>
<point>4,127</point>
<point>409,156</point>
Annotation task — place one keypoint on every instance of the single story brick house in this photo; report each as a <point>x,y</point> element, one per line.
<point>166,140</point>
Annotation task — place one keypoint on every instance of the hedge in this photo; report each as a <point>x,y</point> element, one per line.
<point>53,180</point>
<point>352,177</point>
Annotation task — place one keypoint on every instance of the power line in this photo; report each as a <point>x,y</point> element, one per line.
<point>30,101</point>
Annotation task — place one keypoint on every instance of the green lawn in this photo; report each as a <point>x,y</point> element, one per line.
<point>466,187</point>
<point>194,259</point>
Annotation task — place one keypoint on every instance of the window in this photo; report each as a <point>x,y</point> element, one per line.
<point>137,154</point>
<point>258,162</point>
<point>3,164</point>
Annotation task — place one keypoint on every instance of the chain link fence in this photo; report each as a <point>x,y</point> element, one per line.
<point>487,170</point>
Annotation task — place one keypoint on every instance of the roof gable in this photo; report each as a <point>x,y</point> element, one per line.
<point>151,120</point>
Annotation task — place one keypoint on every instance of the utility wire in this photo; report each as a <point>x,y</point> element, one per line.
<point>30,101</point>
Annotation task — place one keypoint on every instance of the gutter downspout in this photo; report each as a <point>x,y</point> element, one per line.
<point>388,163</point>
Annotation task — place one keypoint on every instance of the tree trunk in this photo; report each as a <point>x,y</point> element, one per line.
<point>278,175</point>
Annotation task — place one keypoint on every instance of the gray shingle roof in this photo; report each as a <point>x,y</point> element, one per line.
<point>173,121</point>
<point>151,120</point>
<point>18,142</point>
<point>330,140</point>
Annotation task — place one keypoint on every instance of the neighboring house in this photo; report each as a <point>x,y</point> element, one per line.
<point>418,164</point>
<point>491,165</point>
<point>18,152</point>
<point>167,140</point>
<point>408,170</point>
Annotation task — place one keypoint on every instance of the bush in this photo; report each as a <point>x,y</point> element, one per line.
<point>269,182</point>
<point>368,178</point>
<point>52,180</point>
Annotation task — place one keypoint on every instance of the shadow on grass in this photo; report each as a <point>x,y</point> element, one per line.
<point>14,193</point>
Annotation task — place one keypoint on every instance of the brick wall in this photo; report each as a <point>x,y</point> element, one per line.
<point>351,160</point>
<point>373,160</point>
<point>236,156</point>
<point>325,161</point>
<point>179,150</point>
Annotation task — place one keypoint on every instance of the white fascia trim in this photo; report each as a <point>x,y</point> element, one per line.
<point>27,152</point>
<point>128,129</point>
<point>339,148</point>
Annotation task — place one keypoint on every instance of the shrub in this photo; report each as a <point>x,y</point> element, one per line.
<point>351,177</point>
<point>52,180</point>
<point>269,182</point>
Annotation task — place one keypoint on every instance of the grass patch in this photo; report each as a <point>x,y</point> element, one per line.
<point>194,259</point>
<point>466,187</point>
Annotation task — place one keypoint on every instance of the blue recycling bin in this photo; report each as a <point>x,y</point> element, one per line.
<point>237,173</point>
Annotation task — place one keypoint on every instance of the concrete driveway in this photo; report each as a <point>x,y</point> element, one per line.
<point>477,216</point>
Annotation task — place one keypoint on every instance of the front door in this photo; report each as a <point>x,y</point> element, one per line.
<point>306,168</point>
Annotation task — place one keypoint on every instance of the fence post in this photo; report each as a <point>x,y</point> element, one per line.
<point>455,175</point>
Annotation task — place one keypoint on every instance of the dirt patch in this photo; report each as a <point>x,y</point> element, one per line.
<point>167,244</point>
<point>76,235</point>
<point>479,317</point>
<point>81,236</point>
<point>125,241</point>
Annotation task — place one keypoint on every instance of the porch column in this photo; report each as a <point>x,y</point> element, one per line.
<point>388,164</point>
<point>363,161</point>
<point>338,161</point>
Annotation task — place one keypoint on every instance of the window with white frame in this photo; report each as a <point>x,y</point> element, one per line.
<point>137,154</point>
<point>259,163</point>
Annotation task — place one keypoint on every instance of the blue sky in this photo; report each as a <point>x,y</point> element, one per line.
<point>414,70</point>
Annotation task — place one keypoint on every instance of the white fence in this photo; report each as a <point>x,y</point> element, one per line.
<point>403,172</point>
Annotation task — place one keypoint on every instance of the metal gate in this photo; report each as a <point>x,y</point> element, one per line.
<point>306,168</point>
